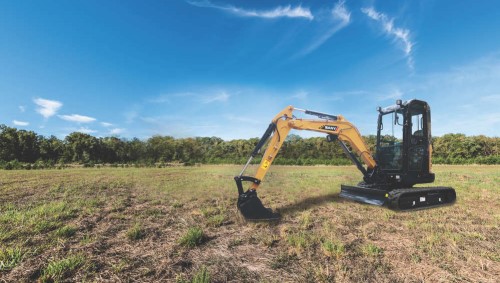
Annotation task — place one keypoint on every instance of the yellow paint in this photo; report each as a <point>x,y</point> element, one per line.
<point>265,164</point>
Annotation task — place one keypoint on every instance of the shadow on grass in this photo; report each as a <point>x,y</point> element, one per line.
<point>310,202</point>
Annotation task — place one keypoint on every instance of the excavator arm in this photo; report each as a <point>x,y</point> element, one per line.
<point>337,128</point>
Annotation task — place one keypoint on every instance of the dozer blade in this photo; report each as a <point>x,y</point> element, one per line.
<point>364,195</point>
<point>401,199</point>
<point>252,208</point>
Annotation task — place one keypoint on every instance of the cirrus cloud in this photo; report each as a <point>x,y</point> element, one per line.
<point>400,35</point>
<point>278,12</point>
<point>340,17</point>
<point>77,118</point>
<point>219,97</point>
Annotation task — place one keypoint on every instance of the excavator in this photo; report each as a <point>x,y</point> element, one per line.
<point>402,158</point>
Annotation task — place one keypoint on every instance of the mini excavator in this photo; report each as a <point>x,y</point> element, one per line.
<point>402,158</point>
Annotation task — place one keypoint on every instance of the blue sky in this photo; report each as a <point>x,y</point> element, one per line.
<point>225,68</point>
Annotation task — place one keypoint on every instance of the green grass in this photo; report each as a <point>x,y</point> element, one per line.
<point>202,276</point>
<point>192,238</point>
<point>177,204</point>
<point>66,231</point>
<point>38,219</point>
<point>136,233</point>
<point>214,215</point>
<point>371,250</point>
<point>299,240</point>
<point>216,220</point>
<point>334,249</point>
<point>56,270</point>
<point>10,257</point>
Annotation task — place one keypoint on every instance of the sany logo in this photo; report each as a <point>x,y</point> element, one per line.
<point>329,128</point>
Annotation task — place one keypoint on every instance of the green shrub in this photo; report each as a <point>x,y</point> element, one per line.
<point>13,165</point>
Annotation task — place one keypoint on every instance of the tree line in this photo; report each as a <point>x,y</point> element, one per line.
<point>26,149</point>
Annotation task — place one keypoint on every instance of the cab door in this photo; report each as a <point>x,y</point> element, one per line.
<point>418,137</point>
<point>390,141</point>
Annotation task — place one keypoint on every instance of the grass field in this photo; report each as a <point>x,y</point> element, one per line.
<point>180,224</point>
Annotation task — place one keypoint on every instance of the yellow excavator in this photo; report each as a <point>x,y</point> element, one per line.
<point>402,158</point>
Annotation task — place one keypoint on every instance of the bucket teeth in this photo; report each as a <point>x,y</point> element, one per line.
<point>252,208</point>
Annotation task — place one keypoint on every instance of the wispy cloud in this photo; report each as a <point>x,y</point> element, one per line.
<point>46,107</point>
<point>86,130</point>
<point>22,108</point>
<point>116,131</point>
<point>20,123</point>
<point>400,35</point>
<point>278,12</point>
<point>160,99</point>
<point>106,124</point>
<point>339,18</point>
<point>301,95</point>
<point>219,97</point>
<point>77,118</point>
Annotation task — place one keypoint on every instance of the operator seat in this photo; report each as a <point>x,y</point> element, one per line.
<point>417,138</point>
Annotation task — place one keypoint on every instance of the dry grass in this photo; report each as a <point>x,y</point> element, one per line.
<point>139,225</point>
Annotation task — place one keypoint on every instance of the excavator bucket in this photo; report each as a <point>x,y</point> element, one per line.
<point>249,203</point>
<point>252,208</point>
<point>401,199</point>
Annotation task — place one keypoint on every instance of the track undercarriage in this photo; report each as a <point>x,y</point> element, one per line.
<point>400,198</point>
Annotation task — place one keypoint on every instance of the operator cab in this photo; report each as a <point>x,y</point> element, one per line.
<point>403,148</point>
